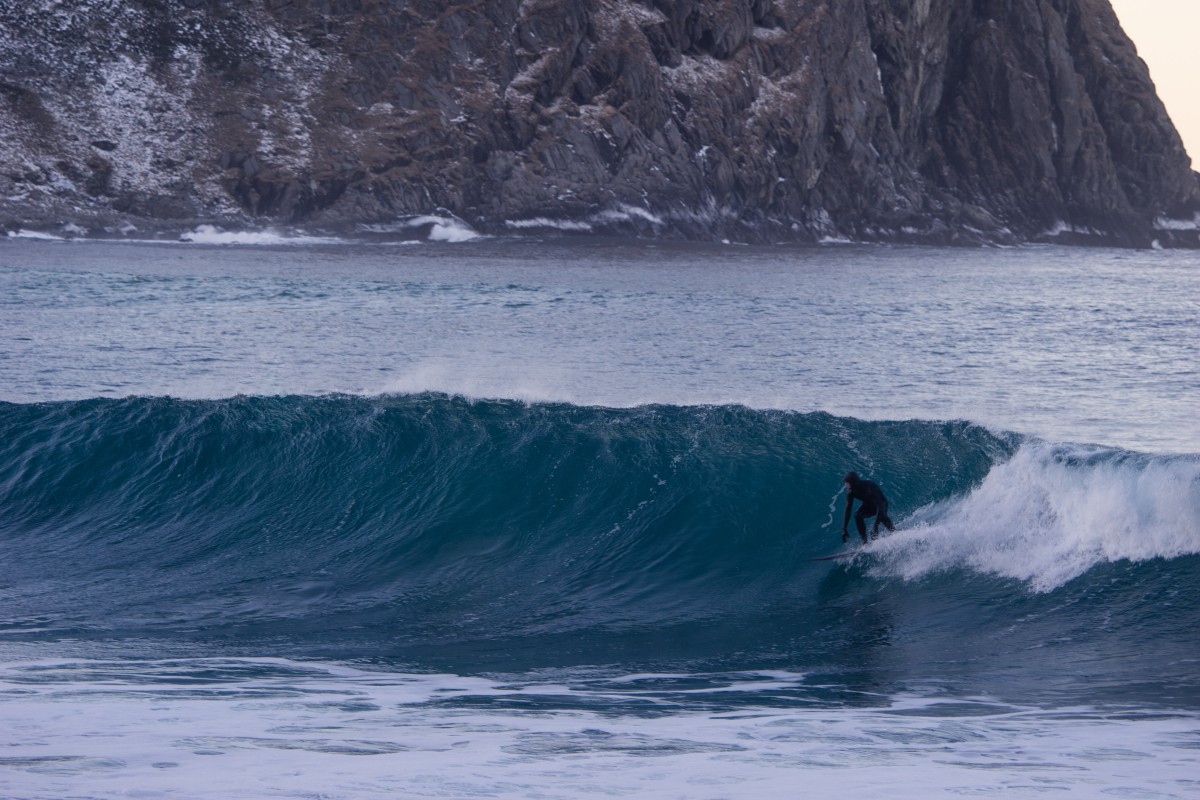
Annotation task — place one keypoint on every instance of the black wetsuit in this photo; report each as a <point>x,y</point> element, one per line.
<point>874,504</point>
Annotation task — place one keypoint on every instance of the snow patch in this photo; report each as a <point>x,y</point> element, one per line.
<point>611,19</point>
<point>698,72</point>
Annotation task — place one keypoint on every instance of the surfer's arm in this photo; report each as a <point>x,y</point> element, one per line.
<point>846,516</point>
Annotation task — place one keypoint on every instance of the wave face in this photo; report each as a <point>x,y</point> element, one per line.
<point>432,530</point>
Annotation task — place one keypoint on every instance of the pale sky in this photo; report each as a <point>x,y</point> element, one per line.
<point>1167,35</point>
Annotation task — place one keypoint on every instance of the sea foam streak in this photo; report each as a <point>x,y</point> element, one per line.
<point>258,728</point>
<point>212,235</point>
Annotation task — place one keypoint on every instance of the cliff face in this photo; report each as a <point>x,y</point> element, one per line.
<point>940,120</point>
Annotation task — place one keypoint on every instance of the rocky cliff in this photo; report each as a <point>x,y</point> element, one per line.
<point>764,120</point>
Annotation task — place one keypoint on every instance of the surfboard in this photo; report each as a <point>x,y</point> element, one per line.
<point>852,550</point>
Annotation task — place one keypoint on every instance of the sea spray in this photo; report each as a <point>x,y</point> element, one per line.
<point>1052,512</point>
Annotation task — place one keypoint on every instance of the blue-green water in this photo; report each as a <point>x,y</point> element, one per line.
<point>504,516</point>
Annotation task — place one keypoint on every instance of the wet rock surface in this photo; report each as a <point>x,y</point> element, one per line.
<point>911,120</point>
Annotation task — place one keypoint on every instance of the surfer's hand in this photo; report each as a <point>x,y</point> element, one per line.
<point>845,537</point>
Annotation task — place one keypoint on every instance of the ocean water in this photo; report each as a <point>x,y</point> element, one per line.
<point>480,518</point>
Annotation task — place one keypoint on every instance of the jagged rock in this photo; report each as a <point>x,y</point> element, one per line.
<point>924,120</point>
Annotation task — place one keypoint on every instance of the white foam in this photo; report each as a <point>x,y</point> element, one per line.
<point>627,213</point>
<point>37,235</point>
<point>553,224</point>
<point>1061,227</point>
<point>1053,512</point>
<point>269,728</point>
<point>619,213</point>
<point>1169,224</point>
<point>210,234</point>
<point>445,229</point>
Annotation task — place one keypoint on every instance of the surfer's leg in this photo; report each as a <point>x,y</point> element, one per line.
<point>860,521</point>
<point>886,520</point>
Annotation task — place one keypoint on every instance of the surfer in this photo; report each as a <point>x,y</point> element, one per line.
<point>874,504</point>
